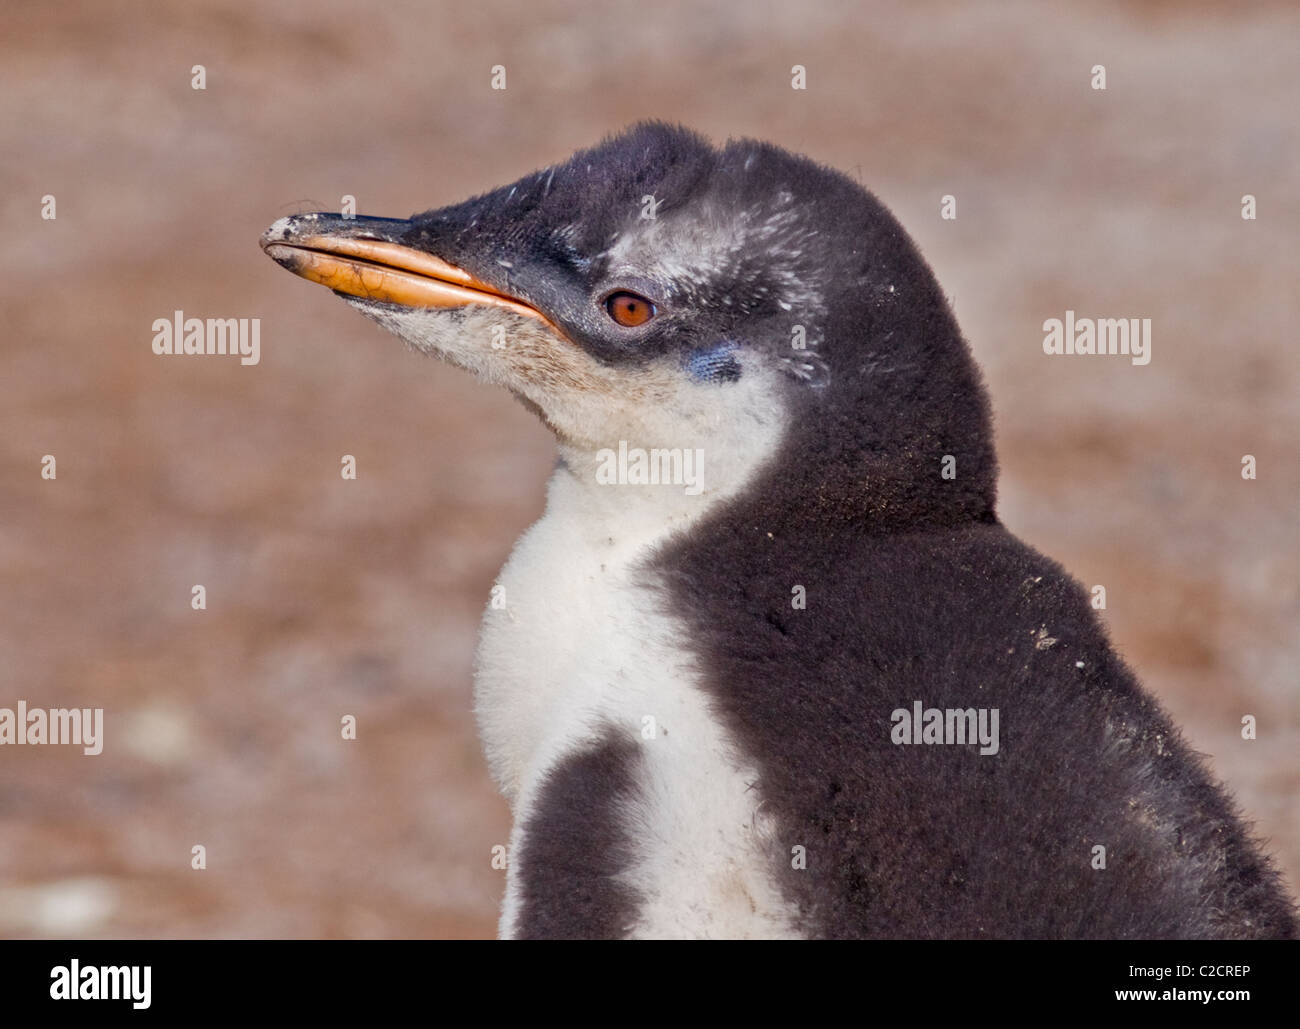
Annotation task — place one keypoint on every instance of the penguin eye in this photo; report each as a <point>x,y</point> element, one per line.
<point>629,309</point>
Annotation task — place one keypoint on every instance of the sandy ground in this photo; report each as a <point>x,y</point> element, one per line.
<point>326,597</point>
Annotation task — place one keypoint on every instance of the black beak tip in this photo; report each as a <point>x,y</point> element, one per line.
<point>291,230</point>
<point>294,228</point>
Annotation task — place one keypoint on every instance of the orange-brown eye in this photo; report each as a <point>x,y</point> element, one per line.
<point>629,309</point>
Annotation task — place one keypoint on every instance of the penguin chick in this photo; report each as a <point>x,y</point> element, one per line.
<point>769,665</point>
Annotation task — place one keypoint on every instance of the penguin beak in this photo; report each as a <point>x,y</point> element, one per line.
<point>362,257</point>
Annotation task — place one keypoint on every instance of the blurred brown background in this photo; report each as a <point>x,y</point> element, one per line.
<point>328,597</point>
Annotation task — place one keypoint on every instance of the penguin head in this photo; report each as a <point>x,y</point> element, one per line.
<point>658,290</point>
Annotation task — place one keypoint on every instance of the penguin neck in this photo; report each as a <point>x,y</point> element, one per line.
<point>638,491</point>
<point>656,466</point>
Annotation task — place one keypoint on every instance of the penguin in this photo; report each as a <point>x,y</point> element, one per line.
<point>769,666</point>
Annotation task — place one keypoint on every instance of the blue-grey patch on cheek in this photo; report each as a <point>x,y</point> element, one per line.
<point>714,363</point>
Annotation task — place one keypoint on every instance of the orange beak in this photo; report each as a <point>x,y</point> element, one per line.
<point>379,270</point>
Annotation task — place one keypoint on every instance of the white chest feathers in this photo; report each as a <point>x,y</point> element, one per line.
<point>582,645</point>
